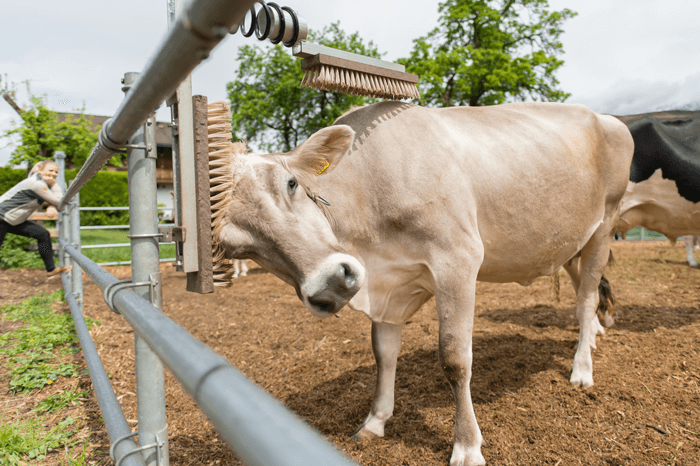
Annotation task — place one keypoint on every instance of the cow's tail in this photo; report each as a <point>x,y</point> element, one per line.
<point>606,302</point>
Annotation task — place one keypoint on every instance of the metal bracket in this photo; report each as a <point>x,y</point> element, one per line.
<point>158,445</point>
<point>170,234</point>
<point>147,146</point>
<point>146,235</point>
<point>113,288</point>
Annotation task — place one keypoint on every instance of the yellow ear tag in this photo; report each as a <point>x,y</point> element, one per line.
<point>324,167</point>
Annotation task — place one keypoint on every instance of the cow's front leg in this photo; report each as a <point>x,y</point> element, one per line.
<point>386,342</point>
<point>456,316</point>
<point>689,253</point>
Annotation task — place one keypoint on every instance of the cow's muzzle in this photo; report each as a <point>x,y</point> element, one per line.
<point>335,284</point>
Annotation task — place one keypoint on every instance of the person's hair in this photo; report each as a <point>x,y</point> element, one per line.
<point>39,166</point>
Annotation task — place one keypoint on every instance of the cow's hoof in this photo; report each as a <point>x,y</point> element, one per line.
<point>363,434</point>
<point>581,380</point>
<point>472,457</point>
<point>244,274</point>
<point>608,321</point>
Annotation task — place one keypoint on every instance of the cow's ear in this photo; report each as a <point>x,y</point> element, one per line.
<point>322,152</point>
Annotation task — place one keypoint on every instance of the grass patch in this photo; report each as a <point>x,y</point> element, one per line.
<point>35,356</point>
<point>21,441</point>
<point>14,254</point>
<point>121,254</point>
<point>59,401</point>
<point>31,349</point>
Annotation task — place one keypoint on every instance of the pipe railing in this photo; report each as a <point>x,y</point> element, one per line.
<point>196,31</point>
<point>112,415</point>
<point>261,430</point>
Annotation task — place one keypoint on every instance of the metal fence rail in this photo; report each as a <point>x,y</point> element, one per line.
<point>115,422</point>
<point>261,430</point>
<point>196,31</point>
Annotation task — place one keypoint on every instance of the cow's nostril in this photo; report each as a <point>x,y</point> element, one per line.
<point>348,275</point>
<point>323,306</point>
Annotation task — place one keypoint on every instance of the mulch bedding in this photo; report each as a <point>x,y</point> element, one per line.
<point>644,408</point>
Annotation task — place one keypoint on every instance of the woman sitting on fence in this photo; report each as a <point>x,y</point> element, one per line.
<point>17,204</point>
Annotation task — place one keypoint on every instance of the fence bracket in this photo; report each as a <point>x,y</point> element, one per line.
<point>113,288</point>
<point>158,445</point>
<point>172,234</point>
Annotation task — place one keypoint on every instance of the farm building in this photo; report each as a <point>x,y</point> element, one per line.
<point>164,162</point>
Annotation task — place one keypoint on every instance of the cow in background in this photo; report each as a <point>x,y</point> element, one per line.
<point>240,268</point>
<point>691,242</point>
<point>663,194</point>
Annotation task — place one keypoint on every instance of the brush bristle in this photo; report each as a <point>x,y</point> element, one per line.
<point>335,79</point>
<point>221,153</point>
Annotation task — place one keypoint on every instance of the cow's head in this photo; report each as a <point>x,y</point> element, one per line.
<point>273,218</point>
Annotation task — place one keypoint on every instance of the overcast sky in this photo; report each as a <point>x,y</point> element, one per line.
<point>621,56</point>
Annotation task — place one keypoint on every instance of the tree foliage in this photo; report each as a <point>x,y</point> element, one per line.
<point>487,52</point>
<point>271,109</point>
<point>42,132</point>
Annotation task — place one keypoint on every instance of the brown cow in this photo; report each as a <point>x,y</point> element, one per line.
<point>396,203</point>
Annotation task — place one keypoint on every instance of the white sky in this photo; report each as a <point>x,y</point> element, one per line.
<point>622,56</point>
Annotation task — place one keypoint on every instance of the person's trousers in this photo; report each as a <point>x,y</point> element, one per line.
<point>32,230</point>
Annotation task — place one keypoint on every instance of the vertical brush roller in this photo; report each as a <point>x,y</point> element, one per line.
<point>221,154</point>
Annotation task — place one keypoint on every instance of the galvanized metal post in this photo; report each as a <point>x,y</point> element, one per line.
<point>145,268</point>
<point>77,273</point>
<point>60,158</point>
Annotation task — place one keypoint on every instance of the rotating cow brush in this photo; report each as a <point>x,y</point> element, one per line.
<point>221,170</point>
<point>326,68</point>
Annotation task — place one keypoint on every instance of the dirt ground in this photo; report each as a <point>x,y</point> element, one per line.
<point>644,408</point>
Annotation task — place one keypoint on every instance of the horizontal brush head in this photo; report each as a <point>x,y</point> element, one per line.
<point>336,74</point>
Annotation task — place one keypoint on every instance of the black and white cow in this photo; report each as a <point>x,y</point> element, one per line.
<point>663,194</point>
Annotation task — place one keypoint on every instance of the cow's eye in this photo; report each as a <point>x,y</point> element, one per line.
<point>292,186</point>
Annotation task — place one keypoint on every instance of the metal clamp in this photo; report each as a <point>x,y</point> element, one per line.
<point>111,290</point>
<point>146,235</point>
<point>158,445</point>
<point>170,234</point>
<point>148,147</point>
<point>106,142</point>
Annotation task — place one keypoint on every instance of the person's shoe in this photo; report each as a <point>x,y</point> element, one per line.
<point>58,270</point>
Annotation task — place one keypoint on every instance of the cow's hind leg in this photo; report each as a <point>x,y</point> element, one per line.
<point>594,257</point>
<point>386,343</point>
<point>572,268</point>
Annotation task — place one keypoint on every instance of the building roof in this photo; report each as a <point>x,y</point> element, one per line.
<point>163,129</point>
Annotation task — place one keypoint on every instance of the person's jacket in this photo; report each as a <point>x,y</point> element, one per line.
<point>17,204</point>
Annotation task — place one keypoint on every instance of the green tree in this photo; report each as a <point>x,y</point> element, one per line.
<point>41,133</point>
<point>268,105</point>
<point>487,52</point>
